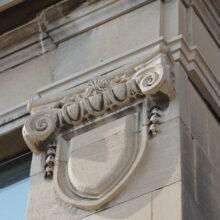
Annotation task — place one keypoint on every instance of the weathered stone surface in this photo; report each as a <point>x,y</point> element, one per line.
<point>139,208</point>
<point>198,117</point>
<point>39,48</point>
<point>82,181</point>
<point>159,168</point>
<point>170,19</point>
<point>21,83</point>
<point>208,12</point>
<point>100,162</point>
<point>188,162</point>
<point>190,207</point>
<point>99,44</point>
<point>94,165</point>
<point>213,141</point>
<point>181,162</point>
<point>160,165</point>
<point>200,167</point>
<point>166,203</point>
<point>207,185</point>
<point>102,96</point>
<point>182,94</point>
<point>43,202</point>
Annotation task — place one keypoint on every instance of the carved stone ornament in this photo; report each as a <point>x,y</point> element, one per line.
<point>99,136</point>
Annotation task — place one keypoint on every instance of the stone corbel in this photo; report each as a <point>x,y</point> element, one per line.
<point>103,95</point>
<point>154,78</point>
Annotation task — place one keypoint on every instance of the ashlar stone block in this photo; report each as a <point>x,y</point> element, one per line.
<point>198,117</point>
<point>167,203</point>
<point>207,185</point>
<point>135,209</point>
<point>22,82</point>
<point>108,40</point>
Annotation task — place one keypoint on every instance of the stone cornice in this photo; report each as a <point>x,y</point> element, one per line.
<point>13,118</point>
<point>209,13</point>
<point>70,84</point>
<point>113,66</point>
<point>52,27</point>
<point>25,42</point>
<point>190,57</point>
<point>199,72</point>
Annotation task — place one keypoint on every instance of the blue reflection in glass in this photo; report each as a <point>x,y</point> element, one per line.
<point>13,200</point>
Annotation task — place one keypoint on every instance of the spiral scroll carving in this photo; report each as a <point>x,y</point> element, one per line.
<point>150,79</point>
<point>41,124</point>
<point>39,127</point>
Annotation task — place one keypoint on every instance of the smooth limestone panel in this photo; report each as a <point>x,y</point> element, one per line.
<point>135,209</point>
<point>22,82</point>
<point>183,21</point>
<point>43,203</point>
<point>166,203</point>
<point>160,167</point>
<point>170,21</point>
<point>95,164</point>
<point>37,164</point>
<point>108,40</point>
